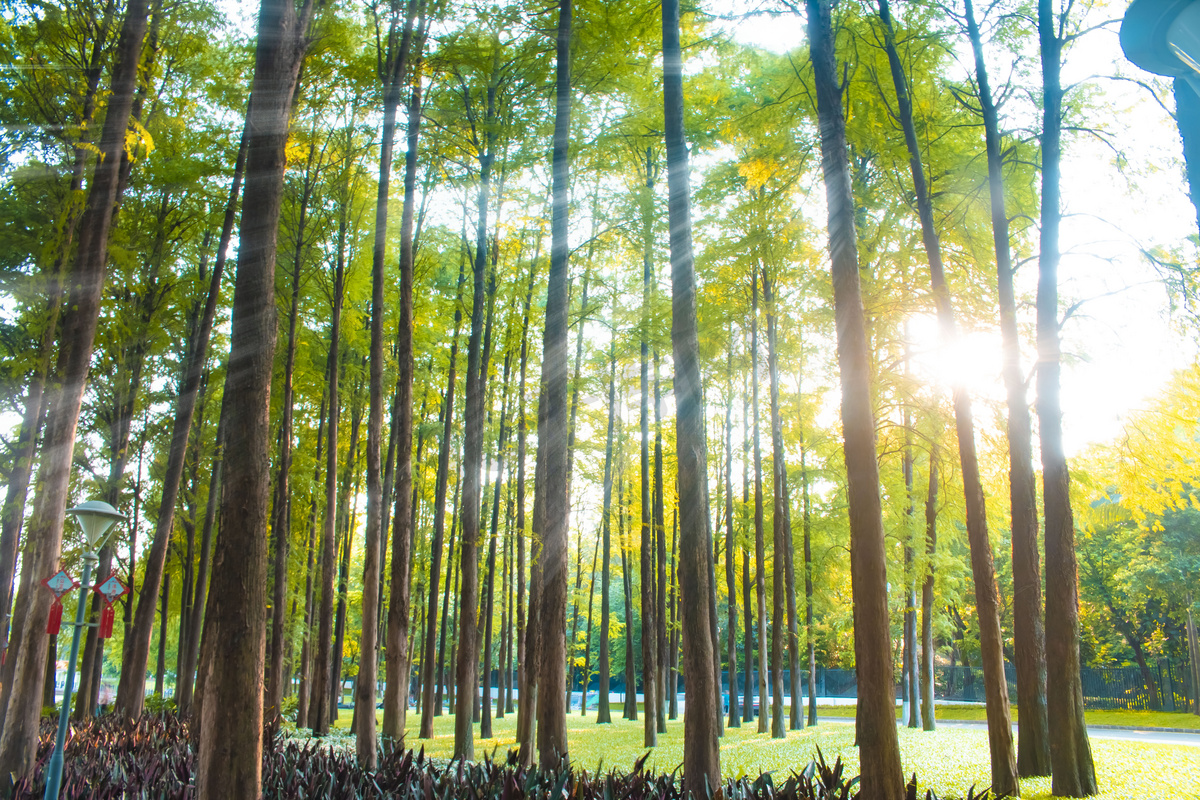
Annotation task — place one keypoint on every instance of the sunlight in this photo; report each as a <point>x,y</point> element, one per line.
<point>973,360</point>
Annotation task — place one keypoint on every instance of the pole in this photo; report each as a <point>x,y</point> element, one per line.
<point>55,768</point>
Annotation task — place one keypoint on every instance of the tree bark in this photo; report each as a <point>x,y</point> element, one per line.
<point>186,690</point>
<point>735,719</point>
<point>1029,638</point>
<point>603,713</point>
<point>398,649</point>
<point>1073,773</point>
<point>987,601</point>
<point>759,542</point>
<point>18,742</point>
<point>229,762</point>
<point>876,721</point>
<point>430,709</point>
<point>701,755</point>
<point>319,706</point>
<point>927,705</point>
<point>554,518</point>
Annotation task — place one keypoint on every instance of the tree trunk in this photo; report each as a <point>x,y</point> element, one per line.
<point>759,542</point>
<point>735,719</point>
<point>485,728</point>
<point>451,578</point>
<point>629,711</point>
<point>987,601</point>
<point>186,691</point>
<point>651,669</point>
<point>351,483</point>
<point>524,707</point>
<point>603,714</point>
<point>587,637</point>
<point>430,708</point>
<point>673,661</point>
<point>467,668</point>
<point>1074,774</point>
<point>281,523</point>
<point>554,516</point>
<point>876,720</point>
<point>160,671</point>
<point>319,706</point>
<point>398,650</point>
<point>701,756</point>
<point>1029,640</point>
<point>18,742</point>
<point>660,578</point>
<point>229,761</point>
<point>927,705</point>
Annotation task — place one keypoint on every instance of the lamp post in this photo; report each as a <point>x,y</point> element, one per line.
<point>96,518</point>
<point>1163,37</point>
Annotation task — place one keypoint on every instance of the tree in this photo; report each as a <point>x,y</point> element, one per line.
<point>881,776</point>
<point>1029,637</point>
<point>987,601</point>
<point>1073,773</point>
<point>552,500</point>
<point>701,756</point>
<point>18,743</point>
<point>229,761</point>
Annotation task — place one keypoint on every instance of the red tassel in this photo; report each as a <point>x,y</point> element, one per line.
<point>55,620</point>
<point>106,622</point>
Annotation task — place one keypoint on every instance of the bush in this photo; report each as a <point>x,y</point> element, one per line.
<point>111,757</point>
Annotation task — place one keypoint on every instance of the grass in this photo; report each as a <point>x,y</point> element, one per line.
<point>949,760</point>
<point>1124,719</point>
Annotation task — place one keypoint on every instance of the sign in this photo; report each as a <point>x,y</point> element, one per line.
<point>59,584</point>
<point>110,590</point>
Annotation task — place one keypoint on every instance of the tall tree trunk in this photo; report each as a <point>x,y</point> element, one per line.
<point>603,713</point>
<point>467,668</point>
<point>587,638</point>
<point>186,680</point>
<point>305,688</point>
<point>281,522</point>
<point>876,720</point>
<point>629,710</point>
<point>524,707</point>
<point>1029,638</point>
<point>351,483</point>
<point>1074,774</point>
<point>398,650</point>
<point>485,728</point>
<point>673,661</point>
<point>735,719</point>
<point>35,398</point>
<point>319,707</point>
<point>160,671</point>
<point>987,601</point>
<point>759,541</point>
<point>652,668</point>
<point>552,519</point>
<point>927,705</point>
<point>809,633</point>
<point>701,756</point>
<point>660,578</point>
<point>779,526</point>
<point>229,762</point>
<point>451,587</point>
<point>18,742</point>
<point>430,709</point>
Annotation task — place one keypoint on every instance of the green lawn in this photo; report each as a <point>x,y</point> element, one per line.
<point>1128,719</point>
<point>948,761</point>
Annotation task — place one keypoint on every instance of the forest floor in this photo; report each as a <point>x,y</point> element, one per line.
<point>949,761</point>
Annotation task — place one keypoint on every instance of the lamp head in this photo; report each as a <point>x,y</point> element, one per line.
<point>1163,36</point>
<point>95,517</point>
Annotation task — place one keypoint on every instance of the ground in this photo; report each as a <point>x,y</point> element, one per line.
<point>949,760</point>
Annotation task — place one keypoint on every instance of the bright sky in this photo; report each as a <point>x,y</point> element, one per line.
<point>1119,347</point>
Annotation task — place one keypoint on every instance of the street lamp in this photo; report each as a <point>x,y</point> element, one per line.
<point>95,517</point>
<point>1163,37</point>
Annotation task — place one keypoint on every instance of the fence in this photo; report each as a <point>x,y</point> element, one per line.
<point>1103,687</point>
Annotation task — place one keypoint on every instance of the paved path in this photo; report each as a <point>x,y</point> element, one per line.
<point>1145,735</point>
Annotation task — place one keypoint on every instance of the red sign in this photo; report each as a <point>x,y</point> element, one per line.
<point>59,584</point>
<point>110,590</point>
